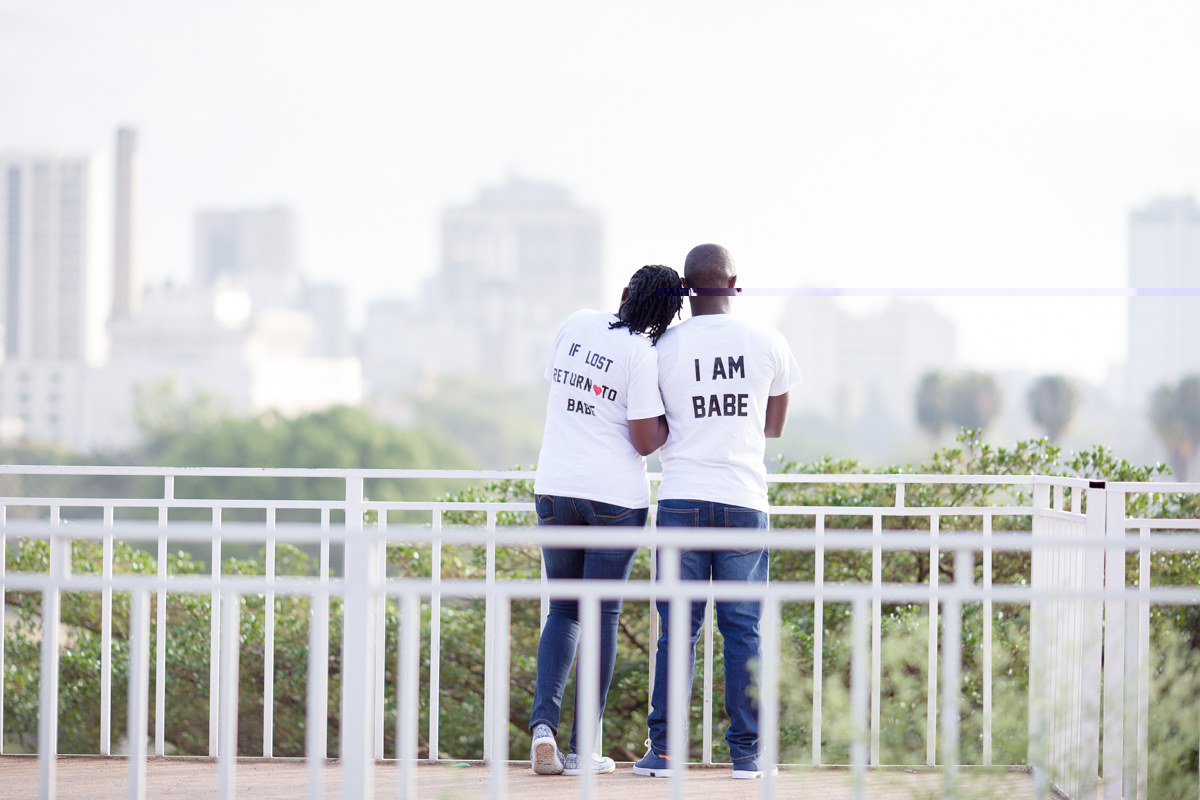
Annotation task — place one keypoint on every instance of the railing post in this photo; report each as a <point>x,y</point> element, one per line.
<point>818,639</point>
<point>231,637</point>
<point>489,636</point>
<point>1086,761</point>
<point>105,636</point>
<point>137,718</point>
<point>160,627</point>
<point>358,644</point>
<point>435,635</point>
<point>60,568</point>
<point>214,640</point>
<point>268,736</point>
<point>876,634</point>
<point>1039,714</point>
<point>1114,647</point>
<point>3,561</point>
<point>932,654</point>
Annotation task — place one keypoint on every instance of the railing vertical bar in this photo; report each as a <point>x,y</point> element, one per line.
<point>679,613</point>
<point>160,627</point>
<point>1129,701</point>
<point>380,634</point>
<point>269,642</point>
<point>876,634</point>
<point>498,765</point>
<point>489,635</point>
<point>652,656</point>
<point>3,562</point>
<point>858,693</point>
<point>964,568</point>
<point>231,625</point>
<point>60,564</point>
<point>706,751</point>
<point>1143,680</point>
<point>987,643</point>
<point>408,674</point>
<point>435,635</point>
<point>931,668</point>
<point>768,714</point>
<point>214,641</point>
<point>358,647</point>
<point>587,695</point>
<point>1041,573</point>
<point>106,571</point>
<point>818,639</point>
<point>137,718</point>
<point>1114,649</point>
<point>316,726</point>
<point>1089,690</point>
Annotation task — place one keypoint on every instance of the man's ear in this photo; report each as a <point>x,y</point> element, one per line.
<point>733,282</point>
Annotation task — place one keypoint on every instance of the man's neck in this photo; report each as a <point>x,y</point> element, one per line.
<point>702,306</point>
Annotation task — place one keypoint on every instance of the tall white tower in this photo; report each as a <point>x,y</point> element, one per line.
<point>127,285</point>
<point>1164,332</point>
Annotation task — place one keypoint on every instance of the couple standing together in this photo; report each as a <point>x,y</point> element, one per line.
<point>709,392</point>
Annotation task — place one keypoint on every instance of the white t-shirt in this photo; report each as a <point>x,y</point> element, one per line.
<point>715,373</point>
<point>600,378</point>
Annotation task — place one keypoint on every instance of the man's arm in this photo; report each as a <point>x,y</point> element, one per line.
<point>777,408</point>
<point>650,434</point>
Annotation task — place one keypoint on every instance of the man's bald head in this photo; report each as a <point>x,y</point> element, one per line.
<point>708,266</point>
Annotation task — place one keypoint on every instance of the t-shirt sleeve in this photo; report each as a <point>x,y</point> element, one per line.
<point>644,400</point>
<point>787,372</point>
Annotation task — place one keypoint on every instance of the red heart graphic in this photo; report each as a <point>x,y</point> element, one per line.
<point>597,389</point>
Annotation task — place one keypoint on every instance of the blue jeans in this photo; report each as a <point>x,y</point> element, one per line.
<point>556,649</point>
<point>738,621</point>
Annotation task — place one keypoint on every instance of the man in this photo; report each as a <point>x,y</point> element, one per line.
<point>724,385</point>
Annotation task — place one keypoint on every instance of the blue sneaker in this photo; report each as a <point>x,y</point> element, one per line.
<point>544,754</point>
<point>574,765</point>
<point>750,770</point>
<point>653,765</point>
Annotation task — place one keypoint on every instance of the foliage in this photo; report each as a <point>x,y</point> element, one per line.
<point>1175,415</point>
<point>970,400</point>
<point>1053,400</point>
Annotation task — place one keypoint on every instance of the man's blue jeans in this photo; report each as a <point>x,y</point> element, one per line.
<point>738,621</point>
<point>556,649</point>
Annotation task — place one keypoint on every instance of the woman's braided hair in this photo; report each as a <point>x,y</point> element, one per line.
<point>644,310</point>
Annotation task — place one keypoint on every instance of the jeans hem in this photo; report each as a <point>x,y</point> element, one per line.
<point>534,723</point>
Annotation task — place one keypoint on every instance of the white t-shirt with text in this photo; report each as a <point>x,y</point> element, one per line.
<point>715,373</point>
<point>600,378</point>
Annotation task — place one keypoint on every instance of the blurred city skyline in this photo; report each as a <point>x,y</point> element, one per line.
<point>825,144</point>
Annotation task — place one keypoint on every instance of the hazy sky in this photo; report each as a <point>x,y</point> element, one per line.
<point>825,143</point>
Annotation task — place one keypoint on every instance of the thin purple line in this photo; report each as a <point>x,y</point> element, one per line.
<point>1014,291</point>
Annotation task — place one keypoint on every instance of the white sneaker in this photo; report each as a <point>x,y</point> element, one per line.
<point>544,754</point>
<point>574,765</point>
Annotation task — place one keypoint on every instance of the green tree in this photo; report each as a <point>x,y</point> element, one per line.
<point>975,400</point>
<point>933,403</point>
<point>1175,415</point>
<point>1053,400</point>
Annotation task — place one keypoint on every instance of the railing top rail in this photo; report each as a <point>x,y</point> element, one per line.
<point>495,474</point>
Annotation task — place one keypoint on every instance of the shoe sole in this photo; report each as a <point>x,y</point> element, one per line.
<point>595,771</point>
<point>651,772</point>
<point>545,758</point>
<point>747,775</point>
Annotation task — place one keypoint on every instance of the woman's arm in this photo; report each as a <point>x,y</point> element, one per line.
<point>648,434</point>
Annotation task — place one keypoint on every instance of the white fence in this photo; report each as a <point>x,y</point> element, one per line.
<point>1071,609</point>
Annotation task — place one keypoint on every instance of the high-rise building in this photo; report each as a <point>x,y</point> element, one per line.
<point>1164,332</point>
<point>865,364</point>
<point>515,264</point>
<point>244,243</point>
<point>127,283</point>
<point>54,295</point>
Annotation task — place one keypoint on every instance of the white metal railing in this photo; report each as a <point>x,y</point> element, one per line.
<point>1067,546</point>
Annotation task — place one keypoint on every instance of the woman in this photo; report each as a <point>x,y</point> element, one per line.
<point>603,417</point>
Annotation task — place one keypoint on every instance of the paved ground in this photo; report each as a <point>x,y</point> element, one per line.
<point>96,778</point>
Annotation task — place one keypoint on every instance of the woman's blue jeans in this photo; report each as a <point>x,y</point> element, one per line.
<point>560,637</point>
